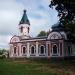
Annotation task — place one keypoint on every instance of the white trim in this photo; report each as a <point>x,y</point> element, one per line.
<point>28,44</point>
<point>14,39</point>
<point>54,33</point>
<point>37,47</point>
<point>33,40</point>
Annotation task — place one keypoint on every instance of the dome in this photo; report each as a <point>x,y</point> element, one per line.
<point>24,19</point>
<point>57,27</point>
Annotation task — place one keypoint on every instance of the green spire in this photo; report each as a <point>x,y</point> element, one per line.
<point>24,19</point>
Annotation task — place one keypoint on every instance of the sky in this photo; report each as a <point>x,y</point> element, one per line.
<point>41,17</point>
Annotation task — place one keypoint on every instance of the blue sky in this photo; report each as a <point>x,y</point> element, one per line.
<point>41,17</point>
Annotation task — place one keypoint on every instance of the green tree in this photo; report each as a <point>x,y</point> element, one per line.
<point>66,13</point>
<point>2,51</point>
<point>42,33</point>
<point>65,8</point>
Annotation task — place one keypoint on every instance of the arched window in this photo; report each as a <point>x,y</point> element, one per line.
<point>28,29</point>
<point>42,49</point>
<point>24,50</point>
<point>14,50</point>
<point>33,50</point>
<point>21,29</point>
<point>55,49</point>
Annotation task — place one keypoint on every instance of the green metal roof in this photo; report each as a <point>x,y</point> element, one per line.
<point>24,19</point>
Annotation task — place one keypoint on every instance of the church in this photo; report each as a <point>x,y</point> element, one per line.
<point>56,44</point>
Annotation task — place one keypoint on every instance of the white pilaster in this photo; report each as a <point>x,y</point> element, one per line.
<point>37,49</point>
<point>11,51</point>
<point>28,55</point>
<point>20,54</point>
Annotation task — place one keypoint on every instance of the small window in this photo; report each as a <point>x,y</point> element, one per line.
<point>14,50</point>
<point>24,50</point>
<point>21,29</point>
<point>28,29</point>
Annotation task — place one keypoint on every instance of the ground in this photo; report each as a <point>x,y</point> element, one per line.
<point>37,67</point>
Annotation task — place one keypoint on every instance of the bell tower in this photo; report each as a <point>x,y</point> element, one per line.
<point>24,26</point>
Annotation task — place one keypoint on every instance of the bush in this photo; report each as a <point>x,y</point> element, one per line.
<point>2,56</point>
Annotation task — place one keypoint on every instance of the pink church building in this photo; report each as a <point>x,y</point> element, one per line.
<point>56,44</point>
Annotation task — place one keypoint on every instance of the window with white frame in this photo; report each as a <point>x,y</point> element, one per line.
<point>32,49</point>
<point>42,49</point>
<point>24,50</point>
<point>14,50</point>
<point>54,49</point>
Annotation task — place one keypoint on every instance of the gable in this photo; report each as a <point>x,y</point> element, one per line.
<point>54,35</point>
<point>14,39</point>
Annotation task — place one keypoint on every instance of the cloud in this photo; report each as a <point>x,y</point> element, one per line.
<point>4,41</point>
<point>10,14</point>
<point>40,15</point>
<point>40,23</point>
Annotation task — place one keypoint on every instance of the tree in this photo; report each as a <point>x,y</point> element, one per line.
<point>65,8</point>
<point>66,13</point>
<point>42,33</point>
<point>2,51</point>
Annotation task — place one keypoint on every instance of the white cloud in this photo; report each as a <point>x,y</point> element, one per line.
<point>40,24</point>
<point>47,1</point>
<point>10,14</point>
<point>40,15</point>
<point>4,41</point>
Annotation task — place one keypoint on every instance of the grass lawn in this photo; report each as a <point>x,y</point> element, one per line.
<point>37,67</point>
